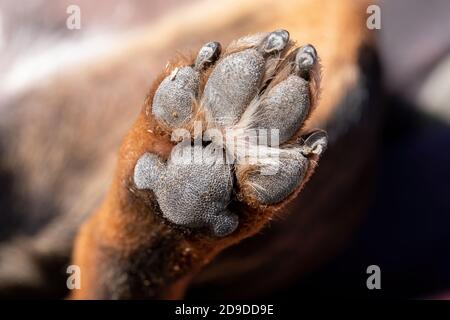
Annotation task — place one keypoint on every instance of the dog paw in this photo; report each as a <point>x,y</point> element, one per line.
<point>235,119</point>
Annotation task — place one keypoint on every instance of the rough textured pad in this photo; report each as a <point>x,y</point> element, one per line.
<point>195,191</point>
<point>148,171</point>
<point>271,189</point>
<point>175,95</point>
<point>190,193</point>
<point>231,86</point>
<point>285,107</point>
<point>235,80</point>
<point>294,161</point>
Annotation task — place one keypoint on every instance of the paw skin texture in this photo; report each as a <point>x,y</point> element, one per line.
<point>260,82</point>
<point>175,95</point>
<point>268,189</point>
<point>292,97</point>
<point>190,194</point>
<point>294,162</point>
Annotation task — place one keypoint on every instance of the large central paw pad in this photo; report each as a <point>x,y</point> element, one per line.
<point>250,104</point>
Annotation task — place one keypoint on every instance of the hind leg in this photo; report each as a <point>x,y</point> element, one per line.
<point>174,203</point>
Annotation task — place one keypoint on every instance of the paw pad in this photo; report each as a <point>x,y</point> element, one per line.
<point>260,83</point>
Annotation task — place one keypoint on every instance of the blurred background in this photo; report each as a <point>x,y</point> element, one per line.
<point>407,229</point>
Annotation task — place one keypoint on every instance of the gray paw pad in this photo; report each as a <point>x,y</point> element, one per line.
<point>235,80</point>
<point>284,108</point>
<point>231,86</point>
<point>224,223</point>
<point>293,165</point>
<point>189,193</point>
<point>175,95</point>
<point>147,171</point>
<point>174,98</point>
<point>262,82</point>
<point>271,189</point>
